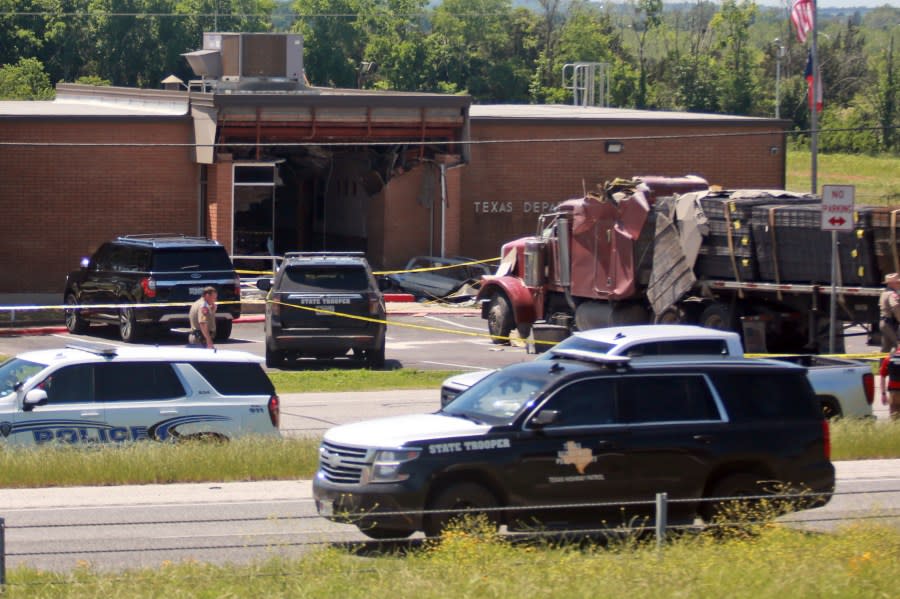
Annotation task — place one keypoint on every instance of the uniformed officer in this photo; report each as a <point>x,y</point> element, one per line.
<point>203,319</point>
<point>889,307</point>
<point>890,388</point>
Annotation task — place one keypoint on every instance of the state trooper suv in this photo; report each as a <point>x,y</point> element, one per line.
<point>86,394</point>
<point>323,305</point>
<point>583,428</point>
<point>161,274</point>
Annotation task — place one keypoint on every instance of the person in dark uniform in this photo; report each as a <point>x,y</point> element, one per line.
<point>889,308</point>
<point>203,319</point>
<point>890,383</point>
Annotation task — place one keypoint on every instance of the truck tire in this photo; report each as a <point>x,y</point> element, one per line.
<point>734,485</point>
<point>223,329</point>
<point>74,322</point>
<point>274,358</point>
<point>719,316</point>
<point>375,358</point>
<point>379,533</point>
<point>831,407</point>
<point>500,319</point>
<point>465,497</point>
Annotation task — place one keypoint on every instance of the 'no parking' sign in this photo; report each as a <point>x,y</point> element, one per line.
<point>837,207</point>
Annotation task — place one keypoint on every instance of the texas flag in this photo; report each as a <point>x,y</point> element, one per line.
<point>814,84</point>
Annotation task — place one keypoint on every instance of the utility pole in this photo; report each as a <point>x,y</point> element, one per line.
<point>779,54</point>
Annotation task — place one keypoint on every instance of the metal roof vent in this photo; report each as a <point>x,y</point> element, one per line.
<point>250,61</point>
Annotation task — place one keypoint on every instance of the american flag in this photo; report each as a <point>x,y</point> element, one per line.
<point>802,17</point>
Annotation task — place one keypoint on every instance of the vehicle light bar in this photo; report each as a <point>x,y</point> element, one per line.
<point>589,356</point>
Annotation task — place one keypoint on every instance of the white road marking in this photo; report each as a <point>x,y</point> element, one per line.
<point>457,365</point>
<point>456,324</point>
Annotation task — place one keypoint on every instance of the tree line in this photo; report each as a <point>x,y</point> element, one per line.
<point>697,57</point>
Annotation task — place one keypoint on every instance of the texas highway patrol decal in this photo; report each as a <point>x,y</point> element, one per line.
<point>573,454</point>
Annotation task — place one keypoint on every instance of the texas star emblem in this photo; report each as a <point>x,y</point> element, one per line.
<point>574,454</point>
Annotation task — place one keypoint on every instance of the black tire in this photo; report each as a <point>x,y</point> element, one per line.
<point>129,329</point>
<point>274,358</point>
<point>831,407</point>
<point>733,485</point>
<point>466,497</point>
<point>500,319</point>
<point>375,358</point>
<point>672,315</point>
<point>719,316</point>
<point>379,533</point>
<point>223,329</point>
<point>74,322</point>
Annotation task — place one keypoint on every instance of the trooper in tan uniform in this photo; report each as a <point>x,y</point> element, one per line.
<point>889,306</point>
<point>203,319</point>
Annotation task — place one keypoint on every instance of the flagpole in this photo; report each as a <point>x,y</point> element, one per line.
<point>813,113</point>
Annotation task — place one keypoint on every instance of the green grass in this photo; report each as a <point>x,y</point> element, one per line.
<point>258,458</point>
<point>308,381</point>
<point>877,178</point>
<point>856,562</point>
<point>242,459</point>
<point>865,439</point>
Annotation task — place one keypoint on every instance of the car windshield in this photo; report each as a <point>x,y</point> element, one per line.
<point>176,259</point>
<point>580,343</point>
<point>325,278</point>
<point>14,372</point>
<point>497,399</point>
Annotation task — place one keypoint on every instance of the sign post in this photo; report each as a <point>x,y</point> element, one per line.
<point>837,216</point>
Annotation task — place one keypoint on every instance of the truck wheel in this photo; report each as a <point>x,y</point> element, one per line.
<point>74,322</point>
<point>733,485</point>
<point>718,316</point>
<point>379,533</point>
<point>274,358</point>
<point>467,498</point>
<point>672,315</point>
<point>223,329</point>
<point>831,407</point>
<point>500,319</point>
<point>375,358</point>
<point>129,328</point>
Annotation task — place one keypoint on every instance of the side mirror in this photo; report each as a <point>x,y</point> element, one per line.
<point>35,397</point>
<point>545,417</point>
<point>264,284</point>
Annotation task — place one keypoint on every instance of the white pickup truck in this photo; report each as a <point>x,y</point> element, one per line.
<point>845,387</point>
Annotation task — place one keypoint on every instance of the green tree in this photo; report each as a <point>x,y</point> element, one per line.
<point>333,43</point>
<point>25,80</point>
<point>473,48</point>
<point>886,91</point>
<point>647,18</point>
<point>735,56</point>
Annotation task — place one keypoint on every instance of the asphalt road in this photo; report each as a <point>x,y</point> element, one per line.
<point>429,340</point>
<point>117,528</point>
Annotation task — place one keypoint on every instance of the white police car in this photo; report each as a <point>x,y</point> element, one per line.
<point>93,394</point>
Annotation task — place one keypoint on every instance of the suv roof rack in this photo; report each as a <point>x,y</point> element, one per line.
<point>324,254</point>
<point>150,238</point>
<point>93,348</point>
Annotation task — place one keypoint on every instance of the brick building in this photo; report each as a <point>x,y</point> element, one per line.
<point>303,168</point>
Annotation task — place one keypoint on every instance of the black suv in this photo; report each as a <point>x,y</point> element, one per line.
<point>147,270</point>
<point>324,305</point>
<point>581,428</point>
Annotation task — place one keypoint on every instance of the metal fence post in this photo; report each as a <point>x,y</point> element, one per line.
<point>2,553</point>
<point>662,514</point>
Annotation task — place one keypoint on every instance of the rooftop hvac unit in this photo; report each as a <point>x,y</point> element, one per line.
<point>266,55</point>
